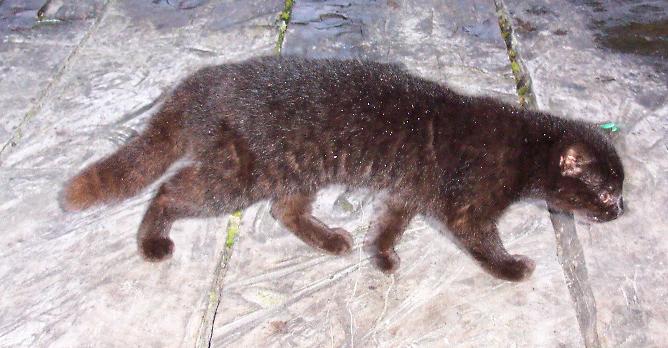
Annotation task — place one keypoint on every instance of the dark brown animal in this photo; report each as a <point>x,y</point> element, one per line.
<point>282,128</point>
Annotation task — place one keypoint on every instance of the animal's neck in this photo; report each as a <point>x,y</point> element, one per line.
<point>541,138</point>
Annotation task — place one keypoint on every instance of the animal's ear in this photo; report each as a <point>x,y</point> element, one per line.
<point>573,159</point>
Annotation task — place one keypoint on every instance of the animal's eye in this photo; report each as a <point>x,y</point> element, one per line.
<point>605,197</point>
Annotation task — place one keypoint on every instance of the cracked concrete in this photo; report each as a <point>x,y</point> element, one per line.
<point>575,74</point>
<point>569,248</point>
<point>292,295</point>
<point>77,79</point>
<point>76,280</point>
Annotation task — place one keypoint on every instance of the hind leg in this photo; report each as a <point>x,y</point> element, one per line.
<point>294,212</point>
<point>181,196</point>
<point>385,233</point>
<point>186,194</point>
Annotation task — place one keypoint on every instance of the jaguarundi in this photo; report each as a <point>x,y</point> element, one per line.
<point>280,129</point>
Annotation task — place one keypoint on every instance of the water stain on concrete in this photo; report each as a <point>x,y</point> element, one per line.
<point>631,27</point>
<point>648,39</point>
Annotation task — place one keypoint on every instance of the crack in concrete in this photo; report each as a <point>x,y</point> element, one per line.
<point>283,21</point>
<point>207,325</point>
<point>46,92</point>
<point>208,322</point>
<point>522,77</point>
<point>571,257</point>
<point>569,248</point>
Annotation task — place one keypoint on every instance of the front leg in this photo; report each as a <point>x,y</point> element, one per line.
<point>294,212</point>
<point>385,233</point>
<point>480,238</point>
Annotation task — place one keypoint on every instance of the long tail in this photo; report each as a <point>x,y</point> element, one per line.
<point>134,166</point>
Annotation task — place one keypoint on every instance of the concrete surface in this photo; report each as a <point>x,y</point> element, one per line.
<point>81,80</point>
<point>580,74</point>
<point>77,280</point>
<point>292,295</point>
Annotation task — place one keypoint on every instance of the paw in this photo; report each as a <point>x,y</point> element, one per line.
<point>158,249</point>
<point>339,242</point>
<point>515,268</point>
<point>386,261</point>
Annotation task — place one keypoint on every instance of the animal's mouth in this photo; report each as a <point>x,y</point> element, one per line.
<point>604,218</point>
<point>593,218</point>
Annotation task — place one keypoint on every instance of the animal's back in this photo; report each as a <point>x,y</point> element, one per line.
<point>313,122</point>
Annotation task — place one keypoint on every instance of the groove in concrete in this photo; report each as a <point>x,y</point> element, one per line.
<point>569,248</point>
<point>283,22</point>
<point>209,317</point>
<point>522,77</point>
<point>571,257</point>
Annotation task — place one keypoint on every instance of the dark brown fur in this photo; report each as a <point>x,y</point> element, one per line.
<point>282,128</point>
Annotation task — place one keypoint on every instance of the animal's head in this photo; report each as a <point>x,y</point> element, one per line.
<point>587,178</point>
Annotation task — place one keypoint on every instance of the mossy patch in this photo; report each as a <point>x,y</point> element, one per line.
<point>283,21</point>
<point>522,79</point>
<point>233,228</point>
<point>522,91</point>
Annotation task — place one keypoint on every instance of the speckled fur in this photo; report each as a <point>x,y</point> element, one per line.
<point>282,128</point>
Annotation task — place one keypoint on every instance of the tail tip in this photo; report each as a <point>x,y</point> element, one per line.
<point>77,195</point>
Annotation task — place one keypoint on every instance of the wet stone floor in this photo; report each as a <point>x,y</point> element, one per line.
<point>79,78</point>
